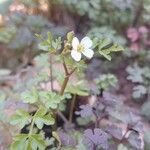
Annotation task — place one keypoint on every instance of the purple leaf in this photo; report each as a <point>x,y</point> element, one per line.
<point>95,138</point>
<point>138,127</point>
<point>109,99</point>
<point>115,131</point>
<point>135,140</point>
<point>86,111</point>
<point>66,140</point>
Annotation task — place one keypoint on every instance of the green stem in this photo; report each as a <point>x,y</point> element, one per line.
<point>67,76</point>
<point>31,127</point>
<point>64,85</point>
<point>32,123</point>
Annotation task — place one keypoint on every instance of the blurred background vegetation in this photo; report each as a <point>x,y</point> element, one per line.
<point>126,22</point>
<point>21,19</point>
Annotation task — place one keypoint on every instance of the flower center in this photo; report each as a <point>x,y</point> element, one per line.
<point>80,48</point>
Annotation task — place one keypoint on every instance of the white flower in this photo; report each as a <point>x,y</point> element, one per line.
<point>82,47</point>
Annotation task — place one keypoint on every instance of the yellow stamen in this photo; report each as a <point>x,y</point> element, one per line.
<point>80,48</point>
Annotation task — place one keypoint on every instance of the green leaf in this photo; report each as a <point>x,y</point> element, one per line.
<point>50,99</point>
<point>43,47</point>
<point>19,142</point>
<point>135,74</point>
<point>78,89</point>
<point>30,96</point>
<point>106,81</point>
<point>105,48</point>
<point>37,142</point>
<point>105,55</point>
<point>57,44</point>
<point>43,117</point>
<point>49,45</point>
<point>21,118</point>
<point>28,142</point>
<point>42,61</point>
<point>139,91</point>
<point>40,77</point>
<point>70,36</point>
<point>80,66</point>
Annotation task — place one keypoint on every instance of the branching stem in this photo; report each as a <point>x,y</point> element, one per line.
<point>63,87</point>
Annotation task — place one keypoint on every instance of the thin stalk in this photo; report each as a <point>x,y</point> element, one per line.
<point>72,108</point>
<point>31,127</point>
<point>67,76</point>
<point>64,85</point>
<point>32,123</point>
<point>62,116</point>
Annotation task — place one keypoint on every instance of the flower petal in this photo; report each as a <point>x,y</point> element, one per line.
<point>88,53</point>
<point>75,43</point>
<point>87,42</point>
<point>76,55</point>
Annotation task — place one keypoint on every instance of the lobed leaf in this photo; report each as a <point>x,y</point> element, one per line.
<point>21,118</point>
<point>43,117</point>
<point>30,96</point>
<point>106,47</point>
